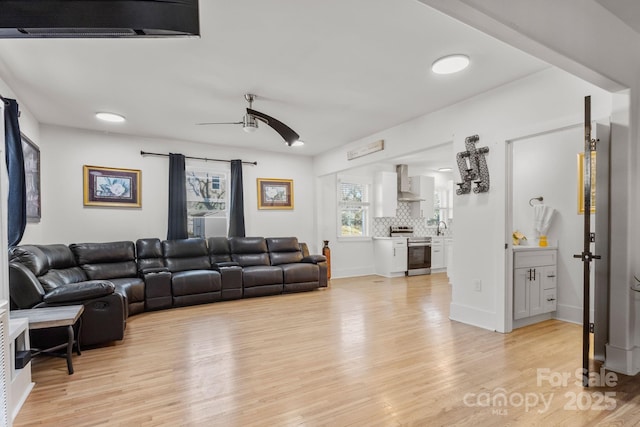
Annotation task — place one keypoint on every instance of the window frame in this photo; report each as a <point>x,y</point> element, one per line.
<point>365,207</point>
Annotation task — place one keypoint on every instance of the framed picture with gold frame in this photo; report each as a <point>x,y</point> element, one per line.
<point>275,193</point>
<point>112,187</point>
<point>581,183</point>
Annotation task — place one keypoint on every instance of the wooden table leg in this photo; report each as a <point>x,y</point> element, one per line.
<point>70,349</point>
<point>78,336</point>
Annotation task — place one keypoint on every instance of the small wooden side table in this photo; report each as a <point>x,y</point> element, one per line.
<point>53,317</point>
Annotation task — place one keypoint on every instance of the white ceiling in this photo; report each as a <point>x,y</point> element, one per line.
<point>335,71</point>
<point>627,10</point>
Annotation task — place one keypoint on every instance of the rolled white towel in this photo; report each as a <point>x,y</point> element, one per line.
<point>542,216</point>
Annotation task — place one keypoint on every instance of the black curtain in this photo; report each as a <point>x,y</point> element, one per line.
<point>236,211</point>
<point>17,206</point>
<point>177,198</point>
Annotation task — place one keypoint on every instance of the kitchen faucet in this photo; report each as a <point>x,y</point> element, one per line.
<point>438,232</point>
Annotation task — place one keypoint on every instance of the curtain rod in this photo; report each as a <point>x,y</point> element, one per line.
<point>146,153</point>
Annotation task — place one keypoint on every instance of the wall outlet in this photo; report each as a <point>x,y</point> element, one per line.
<point>477,285</point>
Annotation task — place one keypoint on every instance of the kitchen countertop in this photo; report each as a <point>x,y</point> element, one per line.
<point>389,238</point>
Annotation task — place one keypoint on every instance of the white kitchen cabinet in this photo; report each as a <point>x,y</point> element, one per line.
<point>386,194</point>
<point>390,254</point>
<point>437,253</point>
<point>422,186</point>
<point>534,283</point>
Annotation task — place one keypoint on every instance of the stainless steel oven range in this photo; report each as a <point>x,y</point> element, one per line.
<point>419,251</point>
<point>419,256</point>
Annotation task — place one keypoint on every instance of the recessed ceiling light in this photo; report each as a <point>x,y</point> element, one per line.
<point>444,169</point>
<point>110,117</point>
<point>298,143</point>
<point>450,64</point>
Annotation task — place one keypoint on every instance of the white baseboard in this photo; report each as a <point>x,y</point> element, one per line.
<point>344,273</point>
<point>569,313</point>
<point>521,323</point>
<point>622,360</point>
<point>472,316</point>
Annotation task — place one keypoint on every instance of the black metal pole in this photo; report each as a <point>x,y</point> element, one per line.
<point>587,241</point>
<point>146,153</point>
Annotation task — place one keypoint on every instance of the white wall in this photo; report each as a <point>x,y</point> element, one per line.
<point>543,101</point>
<point>546,165</point>
<point>64,151</point>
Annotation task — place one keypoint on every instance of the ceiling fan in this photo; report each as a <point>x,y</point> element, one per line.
<point>252,117</point>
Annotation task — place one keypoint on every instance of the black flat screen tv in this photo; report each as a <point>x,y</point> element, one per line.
<point>98,18</point>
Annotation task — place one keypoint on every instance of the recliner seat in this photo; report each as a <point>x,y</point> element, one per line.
<point>48,276</point>
<point>259,277</point>
<point>192,280</point>
<point>113,261</point>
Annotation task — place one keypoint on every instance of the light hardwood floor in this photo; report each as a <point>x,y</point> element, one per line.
<point>368,351</point>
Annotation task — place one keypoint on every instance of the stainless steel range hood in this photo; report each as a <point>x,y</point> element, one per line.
<point>404,185</point>
<point>98,18</point>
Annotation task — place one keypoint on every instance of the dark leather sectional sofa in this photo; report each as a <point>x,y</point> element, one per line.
<point>115,280</point>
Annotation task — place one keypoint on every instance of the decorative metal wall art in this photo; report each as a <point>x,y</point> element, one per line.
<point>473,167</point>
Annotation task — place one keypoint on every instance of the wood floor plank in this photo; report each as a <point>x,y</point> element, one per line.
<point>368,351</point>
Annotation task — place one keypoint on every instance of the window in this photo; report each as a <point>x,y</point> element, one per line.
<point>206,202</point>
<point>353,206</point>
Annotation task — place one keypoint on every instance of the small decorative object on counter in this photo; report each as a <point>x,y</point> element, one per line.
<point>543,241</point>
<point>518,237</point>
<point>326,251</point>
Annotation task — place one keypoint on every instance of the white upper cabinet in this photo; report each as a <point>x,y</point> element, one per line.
<point>422,186</point>
<point>386,194</point>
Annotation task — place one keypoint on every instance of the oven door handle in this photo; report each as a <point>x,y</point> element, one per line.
<point>418,245</point>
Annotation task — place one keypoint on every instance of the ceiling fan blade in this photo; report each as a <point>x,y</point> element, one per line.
<point>220,123</point>
<point>285,131</point>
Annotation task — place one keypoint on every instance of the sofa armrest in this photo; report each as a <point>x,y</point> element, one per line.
<point>80,291</point>
<point>218,265</point>
<point>314,259</point>
<point>150,270</point>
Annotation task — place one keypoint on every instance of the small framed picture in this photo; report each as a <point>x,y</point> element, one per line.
<point>274,193</point>
<point>31,154</point>
<point>581,183</point>
<point>112,187</point>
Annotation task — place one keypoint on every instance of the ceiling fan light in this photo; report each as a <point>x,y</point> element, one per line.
<point>450,64</point>
<point>249,123</point>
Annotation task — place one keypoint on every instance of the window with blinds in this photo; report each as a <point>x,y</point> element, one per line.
<point>353,206</point>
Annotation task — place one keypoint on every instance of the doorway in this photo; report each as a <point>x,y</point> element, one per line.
<point>543,169</point>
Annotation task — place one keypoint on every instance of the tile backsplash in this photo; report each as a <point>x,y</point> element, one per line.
<point>403,218</point>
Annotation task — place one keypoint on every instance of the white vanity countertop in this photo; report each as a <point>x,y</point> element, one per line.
<point>533,248</point>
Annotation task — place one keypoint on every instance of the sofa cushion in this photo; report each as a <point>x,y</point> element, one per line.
<point>186,254</point>
<point>284,250</point>
<point>54,278</point>
<point>79,291</point>
<point>30,256</point>
<point>195,282</point>
<point>260,275</point>
<point>149,255</point>
<point>59,256</point>
<point>219,249</point>
<point>99,253</point>
<point>300,272</point>
<point>130,287</point>
<point>249,251</point>
<point>110,270</point>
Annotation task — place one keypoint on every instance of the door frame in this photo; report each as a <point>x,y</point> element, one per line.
<point>507,304</point>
